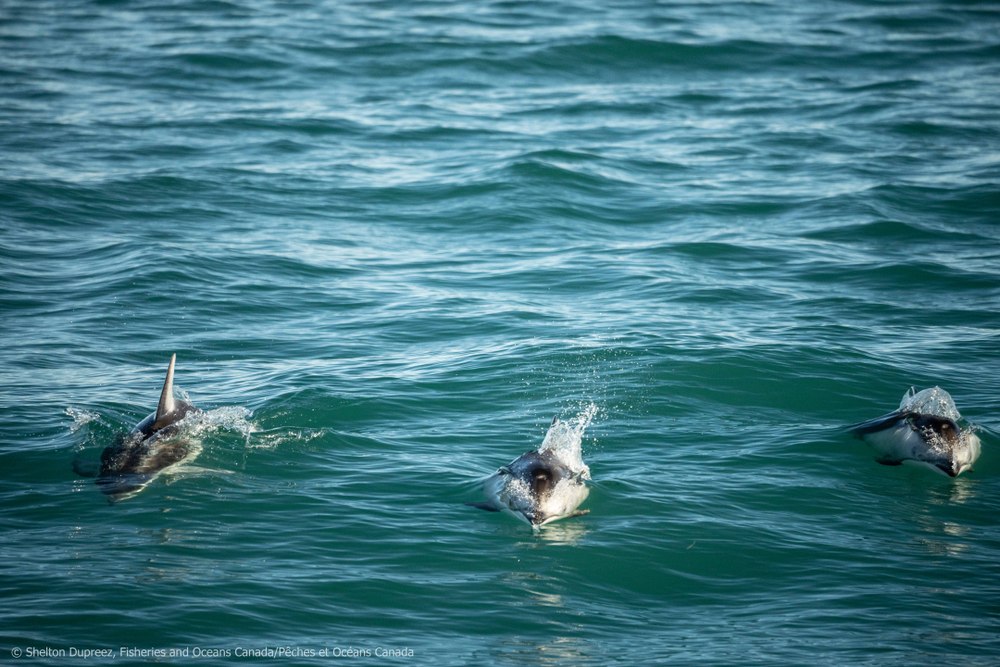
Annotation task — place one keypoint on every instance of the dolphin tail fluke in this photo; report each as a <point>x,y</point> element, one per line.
<point>166,405</point>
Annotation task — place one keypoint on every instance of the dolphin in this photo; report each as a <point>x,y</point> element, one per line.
<point>538,487</point>
<point>924,430</point>
<point>154,445</point>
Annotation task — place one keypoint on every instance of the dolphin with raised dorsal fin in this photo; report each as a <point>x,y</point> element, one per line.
<point>167,404</point>
<point>924,430</point>
<point>150,448</point>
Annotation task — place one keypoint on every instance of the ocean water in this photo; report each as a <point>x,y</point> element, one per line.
<point>389,241</point>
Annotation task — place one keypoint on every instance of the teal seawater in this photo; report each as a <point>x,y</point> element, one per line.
<point>389,241</point>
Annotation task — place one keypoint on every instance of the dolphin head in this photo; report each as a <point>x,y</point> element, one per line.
<point>950,448</point>
<point>936,430</point>
<point>539,486</point>
<point>530,481</point>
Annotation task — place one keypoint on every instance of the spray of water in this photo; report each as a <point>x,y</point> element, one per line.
<point>936,401</point>
<point>228,418</point>
<point>933,401</point>
<point>80,418</point>
<point>565,439</point>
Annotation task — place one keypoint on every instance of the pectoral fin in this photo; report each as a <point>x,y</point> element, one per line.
<point>86,468</point>
<point>947,467</point>
<point>878,423</point>
<point>489,507</point>
<point>889,462</point>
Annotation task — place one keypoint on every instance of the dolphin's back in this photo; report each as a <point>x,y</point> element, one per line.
<point>130,464</point>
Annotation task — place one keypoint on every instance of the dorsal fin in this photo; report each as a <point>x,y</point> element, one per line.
<point>166,405</point>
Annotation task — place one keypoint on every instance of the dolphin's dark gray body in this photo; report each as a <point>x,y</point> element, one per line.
<point>538,487</point>
<point>129,465</point>
<point>922,431</point>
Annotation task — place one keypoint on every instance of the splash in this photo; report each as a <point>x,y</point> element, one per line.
<point>232,418</point>
<point>80,418</point>
<point>936,443</point>
<point>227,418</point>
<point>276,438</point>
<point>962,451</point>
<point>565,439</point>
<point>934,401</point>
